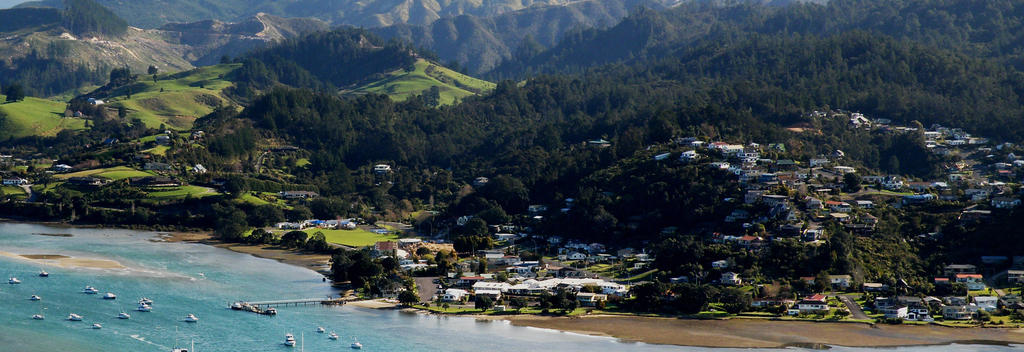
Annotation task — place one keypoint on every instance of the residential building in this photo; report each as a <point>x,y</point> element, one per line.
<point>588,299</point>
<point>974,282</point>
<point>954,269</point>
<point>959,312</point>
<point>813,304</point>
<point>453,295</point>
<point>1015,276</point>
<point>986,303</point>
<point>840,281</point>
<point>731,278</point>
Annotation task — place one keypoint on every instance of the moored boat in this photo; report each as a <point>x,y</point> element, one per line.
<point>74,317</point>
<point>191,318</point>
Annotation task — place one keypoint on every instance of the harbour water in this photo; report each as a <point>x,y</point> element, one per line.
<point>184,278</point>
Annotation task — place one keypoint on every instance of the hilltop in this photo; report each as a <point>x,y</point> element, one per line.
<point>421,78</point>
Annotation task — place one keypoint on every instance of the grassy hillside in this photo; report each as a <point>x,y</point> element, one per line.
<point>111,173</point>
<point>186,96</point>
<point>402,84</point>
<point>39,117</point>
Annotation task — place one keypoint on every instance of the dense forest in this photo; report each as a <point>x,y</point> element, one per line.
<point>86,17</point>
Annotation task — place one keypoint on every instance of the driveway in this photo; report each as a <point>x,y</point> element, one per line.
<point>854,308</point>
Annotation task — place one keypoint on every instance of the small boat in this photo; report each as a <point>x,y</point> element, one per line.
<point>356,345</point>
<point>13,281</point>
<point>191,348</point>
<point>123,315</point>
<point>109,295</point>
<point>289,340</point>
<point>145,300</point>
<point>35,298</point>
<point>236,306</point>
<point>320,329</point>
<point>271,311</point>
<point>97,326</point>
<point>43,273</point>
<point>38,317</point>
<point>191,318</point>
<point>90,290</point>
<point>332,335</point>
<point>144,308</point>
<point>74,317</point>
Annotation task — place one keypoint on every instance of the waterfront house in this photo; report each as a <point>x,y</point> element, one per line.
<point>588,299</point>
<point>813,304</point>
<point>959,312</point>
<point>453,295</point>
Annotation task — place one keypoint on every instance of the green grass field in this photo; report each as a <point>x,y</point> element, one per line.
<point>353,238</point>
<point>186,96</point>
<point>37,117</point>
<point>113,173</point>
<point>14,191</point>
<point>453,85</point>
<point>158,150</point>
<point>181,192</point>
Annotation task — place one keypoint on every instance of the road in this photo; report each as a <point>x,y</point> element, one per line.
<point>854,308</point>
<point>28,190</point>
<point>427,288</point>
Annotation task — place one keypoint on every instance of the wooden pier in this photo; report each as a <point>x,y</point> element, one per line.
<point>267,307</point>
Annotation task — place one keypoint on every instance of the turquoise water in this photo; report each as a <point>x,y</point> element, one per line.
<point>185,278</point>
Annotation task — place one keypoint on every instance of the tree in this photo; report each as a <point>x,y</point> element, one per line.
<point>408,298</point>
<point>152,70</point>
<point>735,300</point>
<point>518,303</point>
<point>294,239</point>
<point>483,302</point>
<point>14,92</point>
<point>265,215</point>
<point>851,182</point>
<point>318,243</point>
<point>230,224</point>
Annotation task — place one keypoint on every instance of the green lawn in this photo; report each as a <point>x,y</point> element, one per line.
<point>14,191</point>
<point>113,173</point>
<point>181,193</point>
<point>186,96</point>
<point>158,150</point>
<point>353,238</point>
<point>37,117</point>
<point>452,85</point>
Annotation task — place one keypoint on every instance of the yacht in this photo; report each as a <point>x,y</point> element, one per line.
<point>38,317</point>
<point>271,311</point>
<point>191,318</point>
<point>289,340</point>
<point>35,298</point>
<point>97,326</point>
<point>90,290</point>
<point>123,315</point>
<point>332,335</point>
<point>13,281</point>
<point>145,300</point>
<point>356,345</point>
<point>74,317</point>
<point>320,329</point>
<point>109,295</point>
<point>144,308</point>
<point>191,348</point>
<point>236,306</point>
<point>43,273</point>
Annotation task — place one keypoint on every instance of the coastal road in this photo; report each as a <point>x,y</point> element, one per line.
<point>854,308</point>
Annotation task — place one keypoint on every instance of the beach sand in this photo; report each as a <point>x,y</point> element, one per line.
<point>373,303</point>
<point>64,261</point>
<point>757,333</point>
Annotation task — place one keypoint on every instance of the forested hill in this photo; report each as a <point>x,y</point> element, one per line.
<point>991,29</point>
<point>323,61</point>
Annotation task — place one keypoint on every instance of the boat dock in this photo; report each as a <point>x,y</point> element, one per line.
<point>267,307</point>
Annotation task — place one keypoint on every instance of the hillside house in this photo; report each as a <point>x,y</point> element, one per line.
<point>731,279</point>
<point>974,282</point>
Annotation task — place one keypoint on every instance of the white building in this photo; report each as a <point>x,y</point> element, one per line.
<point>453,295</point>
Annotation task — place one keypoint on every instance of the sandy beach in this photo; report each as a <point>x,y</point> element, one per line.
<point>64,261</point>
<point>756,333</point>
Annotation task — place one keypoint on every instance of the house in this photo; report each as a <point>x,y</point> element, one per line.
<point>163,139</point>
<point>986,303</point>
<point>576,256</point>
<point>774,200</point>
<point>298,195</point>
<point>588,299</point>
<point>874,287</point>
<point>812,235</point>
<point>974,282</point>
<point>895,312</point>
<point>480,181</point>
<point>62,168</point>
<point>813,203</point>
<point>839,207</point>
<point>199,169</point>
<point>720,264</point>
<point>157,167</point>
<point>840,281</point>
<point>94,101</point>
<point>537,209</point>
<point>816,162</point>
<point>453,295</point>
<point>689,155</point>
<point>959,312</point>
<point>813,304</point>
<point>731,278</point>
<point>17,181</point>
<point>469,281</point>
<point>599,143</point>
<point>865,204</point>
<point>154,181</point>
<point>1005,202</point>
<point>1015,276</point>
<point>954,269</point>
<point>86,181</point>
<point>383,248</point>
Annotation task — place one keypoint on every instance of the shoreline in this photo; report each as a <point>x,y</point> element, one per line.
<point>721,333</point>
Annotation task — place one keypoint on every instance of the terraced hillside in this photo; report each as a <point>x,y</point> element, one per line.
<point>452,86</point>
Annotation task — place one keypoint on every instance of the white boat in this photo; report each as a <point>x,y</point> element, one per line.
<point>144,308</point>
<point>320,329</point>
<point>236,306</point>
<point>13,281</point>
<point>332,335</point>
<point>74,317</point>
<point>90,290</point>
<point>289,340</point>
<point>43,273</point>
<point>145,300</point>
<point>123,315</point>
<point>97,326</point>
<point>356,345</point>
<point>35,298</point>
<point>191,348</point>
<point>38,317</point>
<point>191,318</point>
<point>109,295</point>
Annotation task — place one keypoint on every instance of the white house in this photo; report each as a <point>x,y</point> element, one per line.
<point>986,303</point>
<point>731,278</point>
<point>576,256</point>
<point>15,181</point>
<point>720,264</point>
<point>813,304</point>
<point>453,295</point>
